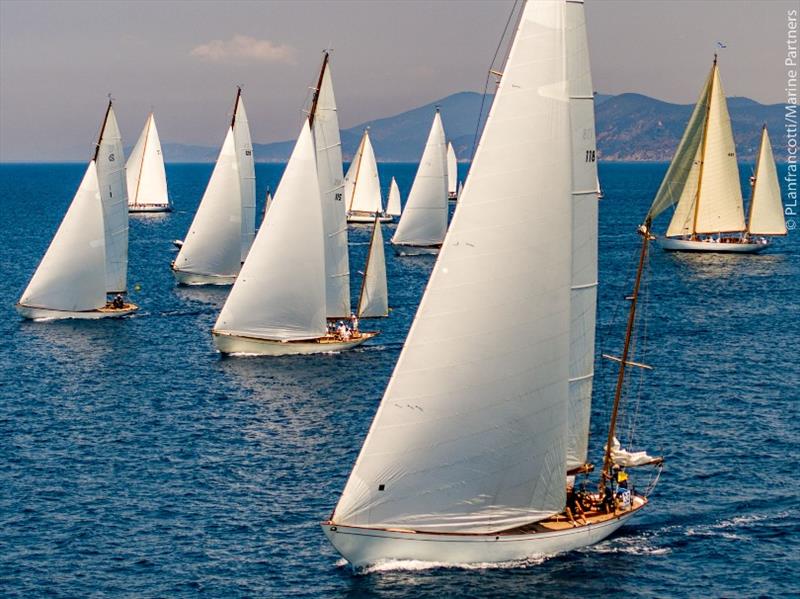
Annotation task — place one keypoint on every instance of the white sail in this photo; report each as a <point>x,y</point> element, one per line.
<point>247,175</point>
<point>373,301</point>
<point>585,183</point>
<point>280,293</point>
<point>393,203</point>
<point>110,161</point>
<point>366,185</point>
<point>71,276</point>
<point>470,434</point>
<point>267,204</point>
<point>424,220</point>
<point>719,198</point>
<point>331,186</point>
<point>147,179</point>
<point>452,170</point>
<point>350,176</point>
<point>766,205</point>
<point>214,243</point>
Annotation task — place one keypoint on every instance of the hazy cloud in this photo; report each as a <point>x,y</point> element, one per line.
<point>243,48</point>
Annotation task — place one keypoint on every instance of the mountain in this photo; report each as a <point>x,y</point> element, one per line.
<point>629,127</point>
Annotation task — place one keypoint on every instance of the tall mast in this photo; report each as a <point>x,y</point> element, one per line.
<point>645,232</point>
<point>236,104</point>
<point>703,150</point>
<point>102,129</point>
<point>755,182</point>
<point>312,113</point>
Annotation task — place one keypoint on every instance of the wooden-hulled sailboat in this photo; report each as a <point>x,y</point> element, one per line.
<point>393,201</point>
<point>766,215</point>
<point>223,228</point>
<point>362,185</point>
<point>277,305</point>
<point>452,173</point>
<point>147,179</point>
<point>325,128</point>
<point>423,224</point>
<point>88,256</point>
<point>702,182</point>
<point>467,458</point>
<point>373,300</point>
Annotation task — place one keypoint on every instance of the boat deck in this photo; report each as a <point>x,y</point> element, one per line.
<point>562,522</point>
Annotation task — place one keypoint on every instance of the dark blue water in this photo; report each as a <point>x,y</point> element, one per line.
<point>134,461</point>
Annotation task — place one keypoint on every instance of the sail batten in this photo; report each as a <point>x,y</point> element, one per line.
<point>766,205</point>
<point>470,434</point>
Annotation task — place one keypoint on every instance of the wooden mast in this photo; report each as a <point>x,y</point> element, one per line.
<point>645,232</point>
<point>236,104</point>
<point>312,113</point>
<point>703,150</point>
<point>102,129</point>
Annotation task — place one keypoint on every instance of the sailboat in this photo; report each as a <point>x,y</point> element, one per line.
<point>424,222</point>
<point>702,182</point>
<point>362,185</point>
<point>88,256</point>
<point>278,303</point>
<point>393,203</point>
<point>600,194</point>
<point>452,173</point>
<point>267,204</point>
<point>223,228</point>
<point>147,179</point>
<point>467,459</point>
<point>373,301</point>
<point>766,216</point>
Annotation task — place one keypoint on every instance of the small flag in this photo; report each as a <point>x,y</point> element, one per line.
<point>722,45</point>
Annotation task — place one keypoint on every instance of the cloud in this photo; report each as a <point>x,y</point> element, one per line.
<point>243,48</point>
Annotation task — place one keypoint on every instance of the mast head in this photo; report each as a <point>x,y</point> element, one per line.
<point>715,59</point>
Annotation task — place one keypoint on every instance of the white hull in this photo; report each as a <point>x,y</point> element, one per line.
<point>402,249</point>
<point>364,546</point>
<point>670,244</point>
<point>191,278</point>
<point>133,209</point>
<point>228,343</point>
<point>366,218</point>
<point>48,314</point>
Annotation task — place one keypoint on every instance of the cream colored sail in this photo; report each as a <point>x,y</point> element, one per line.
<point>373,301</point>
<point>583,297</point>
<point>366,187</point>
<point>766,205</point>
<point>280,293</point>
<point>71,276</point>
<point>110,161</point>
<point>424,219</point>
<point>213,245</point>
<point>393,203</point>
<point>329,168</point>
<point>470,434</point>
<point>146,176</point>
<point>247,175</point>
<point>452,170</point>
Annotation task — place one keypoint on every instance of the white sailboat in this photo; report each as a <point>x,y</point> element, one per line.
<point>452,173</point>
<point>277,305</point>
<point>467,458</point>
<point>373,301</point>
<point>600,194</point>
<point>702,182</point>
<point>147,179</point>
<point>325,128</point>
<point>393,203</point>
<point>423,224</point>
<point>766,215</point>
<point>223,228</point>
<point>267,204</point>
<point>362,185</point>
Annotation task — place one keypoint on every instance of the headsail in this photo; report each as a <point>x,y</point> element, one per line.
<point>373,300</point>
<point>766,206</point>
<point>452,170</point>
<point>147,179</point>
<point>366,185</point>
<point>280,293</point>
<point>470,434</point>
<point>393,203</point>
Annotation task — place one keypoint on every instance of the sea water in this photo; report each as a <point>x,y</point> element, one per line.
<point>136,461</point>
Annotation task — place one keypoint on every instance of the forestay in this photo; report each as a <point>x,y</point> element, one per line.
<point>766,205</point>
<point>373,300</point>
<point>147,179</point>
<point>424,220</point>
<point>71,276</point>
<point>280,293</point>
<point>471,433</point>
<point>247,175</point>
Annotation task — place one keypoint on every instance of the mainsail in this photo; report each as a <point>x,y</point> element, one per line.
<point>110,161</point>
<point>766,206</point>
<point>452,170</point>
<point>280,292</point>
<point>424,220</point>
<point>71,275</point>
<point>393,202</point>
<point>325,125</point>
<point>147,179</point>
<point>471,433</point>
<point>364,184</point>
<point>373,301</point>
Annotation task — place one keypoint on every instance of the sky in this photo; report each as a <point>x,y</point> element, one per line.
<point>60,59</point>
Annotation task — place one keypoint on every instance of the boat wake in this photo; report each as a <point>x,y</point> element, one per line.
<point>418,565</point>
<point>641,544</point>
